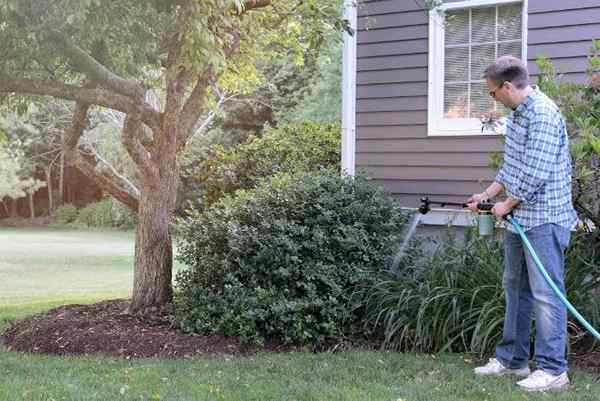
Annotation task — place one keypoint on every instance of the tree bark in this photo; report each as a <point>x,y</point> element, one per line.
<point>31,206</point>
<point>48,171</point>
<point>13,208</point>
<point>61,180</point>
<point>152,282</point>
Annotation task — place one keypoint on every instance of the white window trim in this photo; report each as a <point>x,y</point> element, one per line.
<point>436,125</point>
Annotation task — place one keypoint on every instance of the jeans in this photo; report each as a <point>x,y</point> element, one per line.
<point>527,293</point>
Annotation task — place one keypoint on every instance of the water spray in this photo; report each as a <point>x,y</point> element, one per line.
<point>486,226</point>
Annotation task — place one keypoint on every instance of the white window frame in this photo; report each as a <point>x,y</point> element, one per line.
<point>437,125</point>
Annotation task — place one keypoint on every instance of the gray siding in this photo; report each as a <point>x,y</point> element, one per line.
<point>563,31</point>
<point>392,142</point>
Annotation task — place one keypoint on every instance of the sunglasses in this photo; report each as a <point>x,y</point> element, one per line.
<point>493,93</point>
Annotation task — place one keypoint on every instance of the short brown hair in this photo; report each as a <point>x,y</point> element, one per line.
<point>508,69</point>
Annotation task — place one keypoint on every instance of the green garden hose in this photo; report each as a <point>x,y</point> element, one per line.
<point>556,290</point>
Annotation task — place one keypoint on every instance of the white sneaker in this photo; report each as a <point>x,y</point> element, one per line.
<point>542,381</point>
<point>495,368</point>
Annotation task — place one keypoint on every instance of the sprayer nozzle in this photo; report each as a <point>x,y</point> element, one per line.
<point>424,208</point>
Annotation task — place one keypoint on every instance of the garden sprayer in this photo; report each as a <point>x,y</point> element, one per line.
<point>486,226</point>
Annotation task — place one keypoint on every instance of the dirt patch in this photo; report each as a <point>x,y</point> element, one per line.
<point>586,354</point>
<point>105,328</point>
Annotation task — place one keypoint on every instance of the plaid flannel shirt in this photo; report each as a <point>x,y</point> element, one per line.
<point>537,164</point>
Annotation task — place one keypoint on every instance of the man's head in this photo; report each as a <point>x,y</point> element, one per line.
<point>507,80</point>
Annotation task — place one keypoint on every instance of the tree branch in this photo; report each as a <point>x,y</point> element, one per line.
<point>100,97</point>
<point>132,132</point>
<point>94,70</point>
<point>107,182</point>
<point>254,4</point>
<point>193,107</point>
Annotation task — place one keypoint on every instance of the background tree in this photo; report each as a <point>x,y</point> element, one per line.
<point>106,53</point>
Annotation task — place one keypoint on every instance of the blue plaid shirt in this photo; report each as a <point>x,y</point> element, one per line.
<point>537,164</point>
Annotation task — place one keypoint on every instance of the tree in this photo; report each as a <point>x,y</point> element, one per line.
<point>16,179</point>
<point>109,53</point>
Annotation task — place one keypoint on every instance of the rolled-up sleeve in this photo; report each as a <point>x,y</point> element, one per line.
<point>541,150</point>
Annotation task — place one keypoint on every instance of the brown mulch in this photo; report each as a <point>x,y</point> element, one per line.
<point>585,354</point>
<point>106,328</point>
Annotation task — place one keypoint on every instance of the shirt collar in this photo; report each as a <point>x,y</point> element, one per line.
<point>521,108</point>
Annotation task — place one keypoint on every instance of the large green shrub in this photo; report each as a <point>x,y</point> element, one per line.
<point>289,148</point>
<point>65,214</point>
<point>106,213</point>
<point>456,301</point>
<point>580,104</point>
<point>283,260</point>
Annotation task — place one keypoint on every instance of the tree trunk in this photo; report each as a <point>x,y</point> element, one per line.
<point>31,206</point>
<point>48,171</point>
<point>61,179</point>
<point>13,208</point>
<point>152,282</point>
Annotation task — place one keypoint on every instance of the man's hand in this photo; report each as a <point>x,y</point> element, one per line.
<point>501,209</point>
<point>474,200</point>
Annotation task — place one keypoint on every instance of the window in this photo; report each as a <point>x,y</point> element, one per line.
<point>465,37</point>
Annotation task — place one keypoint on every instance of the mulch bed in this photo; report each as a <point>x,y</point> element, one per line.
<point>105,328</point>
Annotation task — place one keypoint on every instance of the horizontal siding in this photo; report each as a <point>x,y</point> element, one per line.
<point>563,31</point>
<point>569,49</point>
<point>562,34</point>
<point>393,20</point>
<point>391,118</point>
<point>467,173</point>
<point>392,104</point>
<point>564,18</point>
<point>431,144</point>
<point>541,6</point>
<point>432,187</point>
<point>392,142</point>
<point>424,159</point>
<point>392,132</point>
<point>392,76</point>
<point>371,63</point>
<point>393,48</point>
<point>374,8</point>
<point>391,90</point>
<point>393,34</point>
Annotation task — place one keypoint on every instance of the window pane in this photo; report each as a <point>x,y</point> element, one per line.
<point>510,48</point>
<point>509,22</point>
<point>481,57</point>
<point>484,25</point>
<point>481,101</point>
<point>455,101</point>
<point>456,63</point>
<point>457,27</point>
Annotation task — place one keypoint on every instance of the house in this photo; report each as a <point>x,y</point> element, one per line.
<point>413,96</point>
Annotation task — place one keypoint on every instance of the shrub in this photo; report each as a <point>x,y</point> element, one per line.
<point>580,104</point>
<point>65,214</point>
<point>456,302</point>
<point>283,260</point>
<point>106,213</point>
<point>289,148</point>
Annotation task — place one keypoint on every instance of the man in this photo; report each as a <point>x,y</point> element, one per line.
<point>536,178</point>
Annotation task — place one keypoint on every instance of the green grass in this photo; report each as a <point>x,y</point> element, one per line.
<point>44,268</point>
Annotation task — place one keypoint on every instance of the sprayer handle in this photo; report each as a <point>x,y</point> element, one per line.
<point>485,206</point>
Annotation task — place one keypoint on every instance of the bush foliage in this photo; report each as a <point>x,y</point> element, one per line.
<point>283,260</point>
<point>294,147</point>
<point>65,214</point>
<point>580,104</point>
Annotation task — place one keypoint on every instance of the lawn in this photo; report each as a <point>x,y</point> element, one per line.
<point>40,269</point>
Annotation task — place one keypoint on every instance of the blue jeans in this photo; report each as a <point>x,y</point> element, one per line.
<point>527,293</point>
